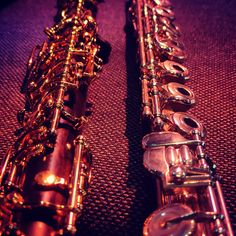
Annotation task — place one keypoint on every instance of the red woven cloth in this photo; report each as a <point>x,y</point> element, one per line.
<point>122,193</point>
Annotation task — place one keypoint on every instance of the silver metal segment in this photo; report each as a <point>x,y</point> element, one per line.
<point>188,124</point>
<point>156,222</point>
<point>175,151</point>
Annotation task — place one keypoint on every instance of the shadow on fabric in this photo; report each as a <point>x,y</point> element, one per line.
<point>138,178</point>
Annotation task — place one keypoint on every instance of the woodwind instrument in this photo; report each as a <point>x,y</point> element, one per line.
<point>46,173</point>
<point>189,195</point>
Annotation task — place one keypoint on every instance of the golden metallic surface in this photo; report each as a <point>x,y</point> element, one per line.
<point>47,171</point>
<point>47,179</point>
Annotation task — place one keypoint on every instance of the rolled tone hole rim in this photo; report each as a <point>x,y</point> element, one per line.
<point>180,90</point>
<point>188,124</point>
<point>155,223</point>
<point>175,69</point>
<point>183,91</point>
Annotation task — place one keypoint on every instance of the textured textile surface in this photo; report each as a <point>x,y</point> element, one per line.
<point>122,193</point>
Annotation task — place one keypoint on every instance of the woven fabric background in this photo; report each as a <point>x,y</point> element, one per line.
<point>122,192</point>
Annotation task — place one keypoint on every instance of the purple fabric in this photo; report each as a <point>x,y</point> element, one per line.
<point>122,193</point>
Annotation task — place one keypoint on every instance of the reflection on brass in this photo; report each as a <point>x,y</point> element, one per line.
<point>47,179</point>
<point>174,149</point>
<point>48,169</point>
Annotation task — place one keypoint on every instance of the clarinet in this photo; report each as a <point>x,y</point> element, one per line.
<point>46,173</point>
<point>189,195</point>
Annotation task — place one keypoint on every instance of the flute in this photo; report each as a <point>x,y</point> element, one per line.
<point>189,195</point>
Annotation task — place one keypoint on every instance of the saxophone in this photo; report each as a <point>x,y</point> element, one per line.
<point>46,173</point>
<point>189,195</point>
